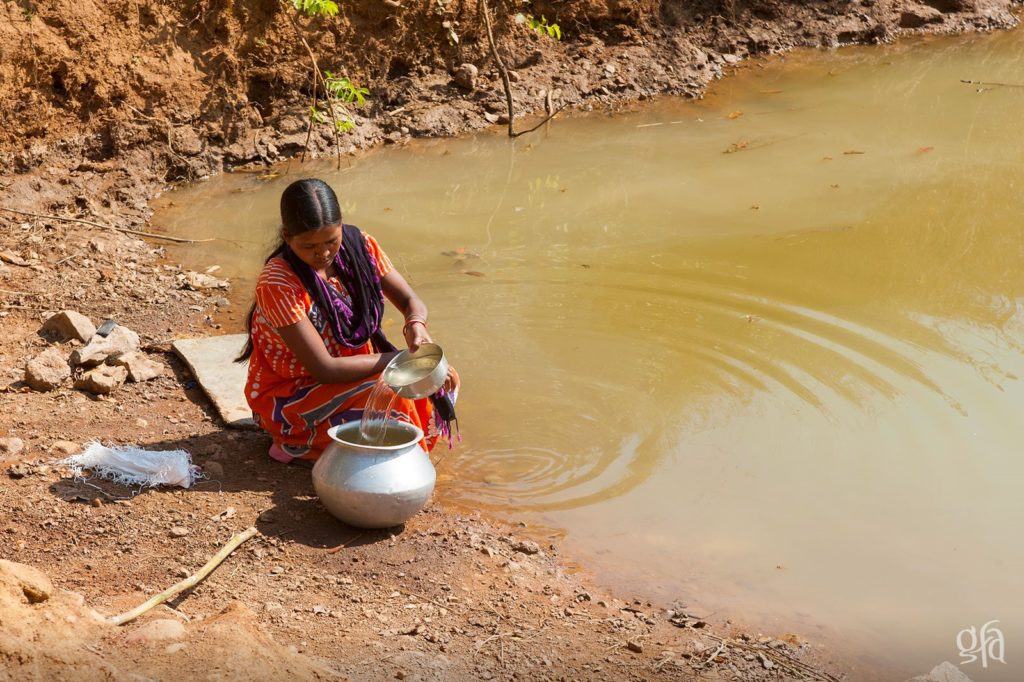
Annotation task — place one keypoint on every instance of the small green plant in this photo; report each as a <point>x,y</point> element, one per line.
<point>340,92</point>
<point>541,25</point>
<point>316,8</point>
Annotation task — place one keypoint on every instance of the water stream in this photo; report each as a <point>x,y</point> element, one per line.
<point>760,353</point>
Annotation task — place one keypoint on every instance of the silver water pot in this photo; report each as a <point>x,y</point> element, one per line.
<point>374,486</point>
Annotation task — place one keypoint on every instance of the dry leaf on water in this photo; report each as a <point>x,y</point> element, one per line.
<point>735,115</point>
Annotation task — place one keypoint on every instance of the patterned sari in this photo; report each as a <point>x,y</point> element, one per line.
<point>286,401</point>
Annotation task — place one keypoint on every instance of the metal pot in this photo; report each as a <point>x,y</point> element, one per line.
<point>417,375</point>
<point>370,486</point>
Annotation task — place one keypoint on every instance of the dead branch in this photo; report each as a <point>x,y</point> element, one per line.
<point>187,583</point>
<point>126,230</point>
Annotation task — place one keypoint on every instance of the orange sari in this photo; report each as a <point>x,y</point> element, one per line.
<point>285,400</point>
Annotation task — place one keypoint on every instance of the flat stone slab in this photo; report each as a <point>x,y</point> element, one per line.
<point>212,361</point>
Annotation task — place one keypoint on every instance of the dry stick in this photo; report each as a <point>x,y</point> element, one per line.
<point>999,85</point>
<point>187,583</point>
<point>501,67</point>
<point>108,227</point>
<point>317,78</point>
<point>506,83</point>
<point>335,550</point>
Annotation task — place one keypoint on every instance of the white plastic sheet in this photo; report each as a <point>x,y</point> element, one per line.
<point>133,466</point>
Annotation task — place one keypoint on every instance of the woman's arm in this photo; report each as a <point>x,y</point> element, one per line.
<point>405,299</point>
<point>303,340</point>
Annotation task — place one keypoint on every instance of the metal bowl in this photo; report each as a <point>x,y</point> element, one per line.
<point>417,375</point>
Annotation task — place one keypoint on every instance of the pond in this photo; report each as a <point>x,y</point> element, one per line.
<point>760,354</point>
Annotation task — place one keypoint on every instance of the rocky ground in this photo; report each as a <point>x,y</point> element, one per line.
<point>109,104</point>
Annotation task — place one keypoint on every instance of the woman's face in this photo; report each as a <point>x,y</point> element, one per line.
<point>316,248</point>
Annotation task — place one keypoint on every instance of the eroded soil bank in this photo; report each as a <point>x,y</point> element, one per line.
<point>106,105</point>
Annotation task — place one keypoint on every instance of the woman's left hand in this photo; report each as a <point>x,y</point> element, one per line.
<point>416,334</point>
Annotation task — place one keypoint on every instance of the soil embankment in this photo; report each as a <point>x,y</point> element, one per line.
<point>106,104</point>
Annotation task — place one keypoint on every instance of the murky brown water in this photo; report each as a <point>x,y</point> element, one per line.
<point>761,353</point>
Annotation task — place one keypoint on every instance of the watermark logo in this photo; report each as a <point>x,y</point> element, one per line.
<point>985,644</point>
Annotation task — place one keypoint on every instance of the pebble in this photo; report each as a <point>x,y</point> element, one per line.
<point>635,646</point>
<point>526,547</point>
<point>178,531</point>
<point>11,447</point>
<point>64,448</point>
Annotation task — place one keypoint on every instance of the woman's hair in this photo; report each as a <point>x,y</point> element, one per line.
<point>307,204</point>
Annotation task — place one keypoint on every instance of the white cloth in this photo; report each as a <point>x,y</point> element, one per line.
<point>131,465</point>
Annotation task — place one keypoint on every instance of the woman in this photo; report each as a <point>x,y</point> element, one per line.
<point>315,345</point>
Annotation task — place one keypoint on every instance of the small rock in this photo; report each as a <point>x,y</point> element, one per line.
<point>35,586</point>
<point>198,281</point>
<point>10,448</point>
<point>526,547</point>
<point>140,366</point>
<point>157,630</point>
<point>102,380</point>
<point>635,646</point>
<point>730,58</point>
<point>68,324</point>
<point>119,341</point>
<point>141,423</point>
<point>20,470</point>
<point>64,448</point>
<point>465,76</point>
<point>183,573</point>
<point>48,370</point>
<point>943,672</point>
<point>490,118</point>
<point>213,469</point>
<point>178,531</point>
<point>175,648</point>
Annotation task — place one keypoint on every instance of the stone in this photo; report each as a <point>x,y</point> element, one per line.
<point>490,118</point>
<point>64,448</point>
<point>178,531</point>
<point>69,324</point>
<point>10,448</point>
<point>198,281</point>
<point>119,341</point>
<point>943,672</point>
<point>211,361</point>
<point>157,630</point>
<point>102,380</point>
<point>35,586</point>
<point>48,370</point>
<point>635,646</point>
<point>916,16</point>
<point>465,76</point>
<point>526,547</point>
<point>139,365</point>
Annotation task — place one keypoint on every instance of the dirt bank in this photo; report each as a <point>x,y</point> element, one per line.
<point>109,103</point>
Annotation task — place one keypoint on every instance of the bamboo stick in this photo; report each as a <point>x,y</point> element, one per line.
<point>187,583</point>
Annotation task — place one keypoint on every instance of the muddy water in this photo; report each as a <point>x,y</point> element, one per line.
<point>761,354</point>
